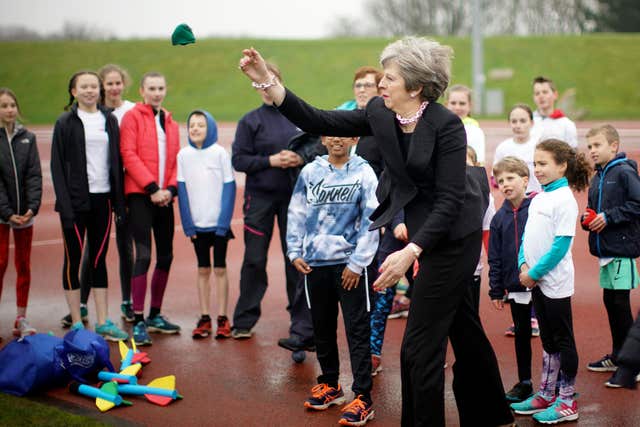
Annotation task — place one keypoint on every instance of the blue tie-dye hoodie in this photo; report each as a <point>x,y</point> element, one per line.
<point>328,220</point>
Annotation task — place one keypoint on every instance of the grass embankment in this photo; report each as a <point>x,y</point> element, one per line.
<point>603,69</point>
<point>17,411</point>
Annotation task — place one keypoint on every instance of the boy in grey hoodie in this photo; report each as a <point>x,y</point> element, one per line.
<point>329,241</point>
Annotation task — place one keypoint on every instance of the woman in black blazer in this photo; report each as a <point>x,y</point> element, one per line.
<point>424,149</point>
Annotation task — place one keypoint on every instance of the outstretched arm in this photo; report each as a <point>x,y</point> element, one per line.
<point>255,67</point>
<point>303,115</point>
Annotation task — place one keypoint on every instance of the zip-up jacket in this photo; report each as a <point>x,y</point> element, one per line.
<point>328,219</point>
<point>505,237</point>
<point>69,165</point>
<point>139,148</point>
<point>20,174</point>
<point>615,191</point>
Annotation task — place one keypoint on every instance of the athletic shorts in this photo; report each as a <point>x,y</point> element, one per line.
<point>203,244</point>
<point>619,274</point>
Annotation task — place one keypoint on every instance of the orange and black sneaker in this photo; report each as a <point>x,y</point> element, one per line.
<point>224,328</point>
<point>357,413</point>
<point>203,329</point>
<point>323,396</point>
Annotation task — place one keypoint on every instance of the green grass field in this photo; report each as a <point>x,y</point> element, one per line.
<point>18,411</point>
<point>602,68</point>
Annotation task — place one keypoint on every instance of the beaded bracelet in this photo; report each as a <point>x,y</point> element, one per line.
<point>264,86</point>
<point>414,249</point>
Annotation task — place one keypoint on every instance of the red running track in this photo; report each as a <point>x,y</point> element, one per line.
<point>254,382</point>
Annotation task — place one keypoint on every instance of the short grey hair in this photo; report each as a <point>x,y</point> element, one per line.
<point>422,62</point>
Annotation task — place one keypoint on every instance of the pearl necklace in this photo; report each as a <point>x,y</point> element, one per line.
<point>408,120</point>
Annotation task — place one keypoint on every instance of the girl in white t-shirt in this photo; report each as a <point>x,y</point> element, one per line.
<point>114,82</point>
<point>459,102</point>
<point>522,144</point>
<point>87,178</point>
<point>546,267</point>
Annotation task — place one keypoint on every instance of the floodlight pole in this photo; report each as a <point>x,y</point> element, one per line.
<point>477,57</point>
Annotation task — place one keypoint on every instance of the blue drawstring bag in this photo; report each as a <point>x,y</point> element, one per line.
<point>41,362</point>
<point>31,365</point>
<point>83,354</point>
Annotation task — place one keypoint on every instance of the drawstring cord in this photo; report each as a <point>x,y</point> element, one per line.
<point>366,289</point>
<point>306,292</point>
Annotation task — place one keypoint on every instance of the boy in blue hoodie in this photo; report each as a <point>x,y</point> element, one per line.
<point>328,240</point>
<point>613,222</point>
<point>207,192</point>
<point>505,237</point>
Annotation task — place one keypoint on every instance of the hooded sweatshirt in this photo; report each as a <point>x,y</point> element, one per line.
<point>206,187</point>
<point>328,219</point>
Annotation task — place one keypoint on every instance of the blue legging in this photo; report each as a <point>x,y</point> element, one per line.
<point>381,309</point>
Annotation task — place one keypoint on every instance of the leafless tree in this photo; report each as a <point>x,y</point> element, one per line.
<point>453,17</point>
<point>18,32</point>
<point>81,31</point>
<point>438,17</point>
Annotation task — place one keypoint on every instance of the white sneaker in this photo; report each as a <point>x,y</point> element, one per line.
<point>22,328</point>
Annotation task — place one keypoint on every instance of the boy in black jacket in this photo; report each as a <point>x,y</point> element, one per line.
<point>613,222</point>
<point>505,237</point>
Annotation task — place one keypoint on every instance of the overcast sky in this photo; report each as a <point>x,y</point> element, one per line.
<point>157,18</point>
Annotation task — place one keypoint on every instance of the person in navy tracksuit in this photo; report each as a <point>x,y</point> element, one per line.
<point>260,150</point>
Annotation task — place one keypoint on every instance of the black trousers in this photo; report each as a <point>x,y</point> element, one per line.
<point>124,243</point>
<point>474,289</point>
<point>325,293</point>
<point>556,329</point>
<point>618,305</point>
<point>441,307</point>
<point>97,224</point>
<point>259,215</point>
<point>629,356</point>
<point>521,315</point>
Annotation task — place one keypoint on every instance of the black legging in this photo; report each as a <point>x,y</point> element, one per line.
<point>97,224</point>
<point>124,243</point>
<point>556,329</point>
<point>521,314</point>
<point>618,305</point>
<point>144,217</point>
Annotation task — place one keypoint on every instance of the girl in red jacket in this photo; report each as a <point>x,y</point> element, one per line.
<point>20,195</point>
<point>149,145</point>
